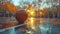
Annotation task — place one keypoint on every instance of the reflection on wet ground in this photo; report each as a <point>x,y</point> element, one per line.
<point>45,25</point>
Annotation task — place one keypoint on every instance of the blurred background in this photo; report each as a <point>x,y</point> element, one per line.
<point>43,17</point>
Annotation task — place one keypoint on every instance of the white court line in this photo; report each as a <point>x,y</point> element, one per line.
<point>1,30</point>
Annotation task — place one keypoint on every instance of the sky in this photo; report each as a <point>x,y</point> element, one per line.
<point>42,5</point>
<point>17,2</point>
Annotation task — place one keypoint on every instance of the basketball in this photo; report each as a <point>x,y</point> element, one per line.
<point>21,15</point>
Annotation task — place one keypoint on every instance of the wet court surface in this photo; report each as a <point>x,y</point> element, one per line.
<point>45,26</point>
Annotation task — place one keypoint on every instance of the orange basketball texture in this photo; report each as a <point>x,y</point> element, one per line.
<point>21,16</point>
